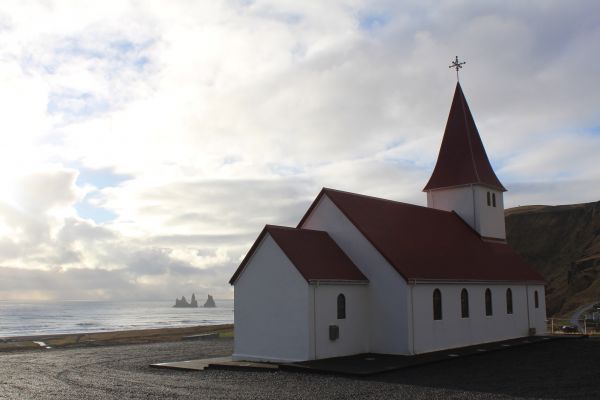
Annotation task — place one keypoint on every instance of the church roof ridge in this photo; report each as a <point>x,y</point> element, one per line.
<point>402,234</point>
<point>462,159</point>
<point>326,189</point>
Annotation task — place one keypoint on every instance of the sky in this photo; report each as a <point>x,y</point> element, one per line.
<point>144,144</point>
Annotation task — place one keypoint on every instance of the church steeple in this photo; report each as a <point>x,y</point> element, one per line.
<point>463,180</point>
<point>462,159</point>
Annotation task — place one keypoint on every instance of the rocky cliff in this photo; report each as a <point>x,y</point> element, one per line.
<point>184,303</point>
<point>210,302</point>
<point>563,244</point>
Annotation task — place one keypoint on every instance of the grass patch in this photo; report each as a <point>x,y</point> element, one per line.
<point>226,334</point>
<point>113,338</point>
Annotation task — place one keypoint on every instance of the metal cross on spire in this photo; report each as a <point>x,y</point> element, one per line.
<point>457,65</point>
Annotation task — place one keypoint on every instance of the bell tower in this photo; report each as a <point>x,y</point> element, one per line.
<point>463,179</point>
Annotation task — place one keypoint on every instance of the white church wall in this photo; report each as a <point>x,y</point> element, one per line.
<point>387,290</point>
<point>271,299</point>
<point>538,315</point>
<point>459,199</point>
<point>470,202</point>
<point>490,219</point>
<point>353,331</point>
<point>453,330</point>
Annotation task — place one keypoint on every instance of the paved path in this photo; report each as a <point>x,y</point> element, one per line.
<point>575,318</point>
<point>546,370</point>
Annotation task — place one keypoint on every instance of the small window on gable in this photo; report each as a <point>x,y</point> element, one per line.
<point>494,199</point>
<point>464,303</point>
<point>536,299</point>
<point>437,304</point>
<point>488,302</point>
<point>488,199</point>
<point>509,304</point>
<point>341,306</point>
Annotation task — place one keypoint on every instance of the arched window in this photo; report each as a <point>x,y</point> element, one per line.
<point>341,306</point>
<point>488,302</point>
<point>488,199</point>
<point>437,304</point>
<point>536,299</point>
<point>494,199</point>
<point>464,303</point>
<point>509,307</point>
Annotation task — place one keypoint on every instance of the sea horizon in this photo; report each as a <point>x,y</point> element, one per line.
<point>35,318</point>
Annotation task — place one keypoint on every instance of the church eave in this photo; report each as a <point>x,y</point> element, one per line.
<point>318,282</point>
<point>500,188</point>
<point>416,281</point>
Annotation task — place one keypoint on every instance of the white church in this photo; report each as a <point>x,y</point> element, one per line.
<point>361,274</point>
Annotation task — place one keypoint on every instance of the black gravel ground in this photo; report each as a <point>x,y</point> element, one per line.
<point>558,369</point>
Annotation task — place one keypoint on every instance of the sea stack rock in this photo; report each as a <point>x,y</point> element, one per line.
<point>180,303</point>
<point>210,302</point>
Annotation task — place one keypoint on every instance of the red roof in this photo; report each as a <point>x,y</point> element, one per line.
<point>314,254</point>
<point>427,244</point>
<point>462,159</point>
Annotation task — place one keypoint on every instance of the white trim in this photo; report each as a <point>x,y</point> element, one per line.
<point>468,184</point>
<point>335,282</point>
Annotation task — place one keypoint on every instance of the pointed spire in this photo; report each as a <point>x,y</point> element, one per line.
<point>462,159</point>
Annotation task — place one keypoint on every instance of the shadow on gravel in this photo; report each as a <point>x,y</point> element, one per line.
<point>558,369</point>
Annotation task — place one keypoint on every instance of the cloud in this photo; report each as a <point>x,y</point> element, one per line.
<point>101,284</point>
<point>144,147</point>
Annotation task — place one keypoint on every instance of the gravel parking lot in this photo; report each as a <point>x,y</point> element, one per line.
<point>558,369</point>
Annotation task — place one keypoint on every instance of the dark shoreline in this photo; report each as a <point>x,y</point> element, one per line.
<point>134,336</point>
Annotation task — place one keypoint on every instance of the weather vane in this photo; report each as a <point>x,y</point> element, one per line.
<point>457,65</point>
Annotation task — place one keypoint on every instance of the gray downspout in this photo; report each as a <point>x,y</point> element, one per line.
<point>412,317</point>
<point>315,320</point>
<point>528,318</point>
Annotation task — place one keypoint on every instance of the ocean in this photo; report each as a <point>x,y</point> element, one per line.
<point>55,317</point>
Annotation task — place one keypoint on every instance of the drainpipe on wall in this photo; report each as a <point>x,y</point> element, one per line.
<point>528,318</point>
<point>412,317</point>
<point>315,319</point>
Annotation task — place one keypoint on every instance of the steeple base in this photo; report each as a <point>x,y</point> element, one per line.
<point>480,207</point>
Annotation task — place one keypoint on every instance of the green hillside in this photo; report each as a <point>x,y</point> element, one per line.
<point>563,244</point>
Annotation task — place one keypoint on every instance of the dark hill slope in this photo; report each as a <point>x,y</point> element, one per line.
<point>563,244</point>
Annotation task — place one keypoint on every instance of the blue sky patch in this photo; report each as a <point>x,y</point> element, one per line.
<point>371,22</point>
<point>99,215</point>
<point>123,45</point>
<point>141,62</point>
<point>285,170</point>
<point>595,130</point>
<point>100,178</point>
<point>74,104</point>
<point>108,57</point>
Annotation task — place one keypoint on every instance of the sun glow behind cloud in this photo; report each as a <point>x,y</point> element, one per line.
<point>144,145</point>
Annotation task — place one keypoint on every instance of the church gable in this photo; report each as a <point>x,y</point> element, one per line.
<point>313,253</point>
